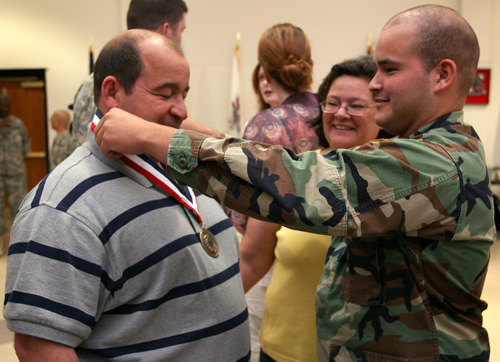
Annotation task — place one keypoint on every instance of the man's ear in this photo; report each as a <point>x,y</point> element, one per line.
<point>109,91</point>
<point>445,75</point>
<point>165,29</point>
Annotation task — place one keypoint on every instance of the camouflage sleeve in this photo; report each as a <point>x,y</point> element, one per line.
<point>84,110</point>
<point>61,148</point>
<point>26,139</point>
<point>377,189</point>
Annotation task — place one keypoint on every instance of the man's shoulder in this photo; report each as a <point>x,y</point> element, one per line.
<point>16,120</point>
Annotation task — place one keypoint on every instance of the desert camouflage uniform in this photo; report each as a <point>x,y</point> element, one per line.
<point>413,220</point>
<point>61,148</point>
<point>84,110</point>
<point>15,143</point>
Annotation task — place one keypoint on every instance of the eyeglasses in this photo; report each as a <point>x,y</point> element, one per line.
<point>352,109</point>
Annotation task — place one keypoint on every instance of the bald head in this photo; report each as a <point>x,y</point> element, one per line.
<point>442,33</point>
<point>121,57</point>
<point>60,120</point>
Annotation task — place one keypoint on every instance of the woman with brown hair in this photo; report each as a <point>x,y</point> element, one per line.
<point>286,70</point>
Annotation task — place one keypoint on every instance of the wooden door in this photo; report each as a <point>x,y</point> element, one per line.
<point>26,88</point>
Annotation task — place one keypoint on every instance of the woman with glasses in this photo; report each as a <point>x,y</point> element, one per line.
<point>288,330</point>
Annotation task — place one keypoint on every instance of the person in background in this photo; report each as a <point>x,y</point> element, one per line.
<point>286,70</point>
<point>134,266</point>
<point>288,330</point>
<point>285,57</point>
<point>412,216</point>
<point>265,96</point>
<point>62,146</point>
<point>167,17</point>
<point>15,143</point>
<point>255,296</point>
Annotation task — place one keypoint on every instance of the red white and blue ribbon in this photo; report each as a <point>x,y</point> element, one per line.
<point>148,168</point>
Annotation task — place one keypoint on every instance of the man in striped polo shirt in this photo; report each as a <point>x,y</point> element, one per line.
<point>112,260</point>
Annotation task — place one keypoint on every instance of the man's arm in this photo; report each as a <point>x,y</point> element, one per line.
<point>33,349</point>
<point>236,186</point>
<point>342,193</point>
<point>120,132</point>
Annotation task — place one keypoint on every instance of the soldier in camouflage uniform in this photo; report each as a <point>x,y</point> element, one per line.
<point>412,217</point>
<point>15,143</point>
<point>62,146</point>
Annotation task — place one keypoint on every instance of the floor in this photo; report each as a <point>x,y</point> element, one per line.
<point>491,294</point>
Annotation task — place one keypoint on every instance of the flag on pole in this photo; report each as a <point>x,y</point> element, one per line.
<point>234,128</point>
<point>369,45</point>
<point>91,56</point>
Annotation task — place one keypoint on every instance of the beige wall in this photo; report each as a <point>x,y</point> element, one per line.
<point>54,34</point>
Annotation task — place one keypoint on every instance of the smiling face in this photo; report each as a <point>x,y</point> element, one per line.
<point>267,94</point>
<point>401,87</point>
<point>341,129</point>
<point>158,94</point>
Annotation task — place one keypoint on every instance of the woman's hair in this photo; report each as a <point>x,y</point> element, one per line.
<point>361,67</point>
<point>285,54</point>
<point>255,83</point>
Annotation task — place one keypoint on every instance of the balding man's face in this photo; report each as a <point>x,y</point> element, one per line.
<point>158,94</point>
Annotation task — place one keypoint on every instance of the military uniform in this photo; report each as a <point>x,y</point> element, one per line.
<point>413,225</point>
<point>62,147</point>
<point>15,143</point>
<point>84,109</point>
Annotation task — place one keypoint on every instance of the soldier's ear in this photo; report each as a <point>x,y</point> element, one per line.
<point>445,75</point>
<point>165,29</point>
<point>110,90</point>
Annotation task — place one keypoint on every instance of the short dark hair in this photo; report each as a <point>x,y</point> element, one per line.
<point>443,34</point>
<point>120,58</point>
<point>361,67</point>
<point>150,14</point>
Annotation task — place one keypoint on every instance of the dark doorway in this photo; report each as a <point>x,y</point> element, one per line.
<point>26,88</point>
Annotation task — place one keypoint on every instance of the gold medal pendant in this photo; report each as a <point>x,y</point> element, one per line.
<point>209,243</point>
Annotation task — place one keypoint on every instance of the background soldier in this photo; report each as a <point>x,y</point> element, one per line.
<point>15,143</point>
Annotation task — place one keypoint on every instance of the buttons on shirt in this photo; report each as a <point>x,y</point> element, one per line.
<point>183,162</point>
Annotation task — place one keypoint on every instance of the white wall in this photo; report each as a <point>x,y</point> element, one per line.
<point>54,34</point>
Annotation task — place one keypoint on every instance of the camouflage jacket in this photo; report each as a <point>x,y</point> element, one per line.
<point>62,147</point>
<point>413,221</point>
<point>84,111</point>
<point>15,143</point>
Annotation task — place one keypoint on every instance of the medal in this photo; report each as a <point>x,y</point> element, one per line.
<point>144,165</point>
<point>209,242</point>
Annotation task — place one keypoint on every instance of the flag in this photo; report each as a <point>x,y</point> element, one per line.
<point>234,128</point>
<point>369,45</point>
<point>91,56</point>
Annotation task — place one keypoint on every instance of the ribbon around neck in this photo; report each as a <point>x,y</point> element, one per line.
<point>148,168</point>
